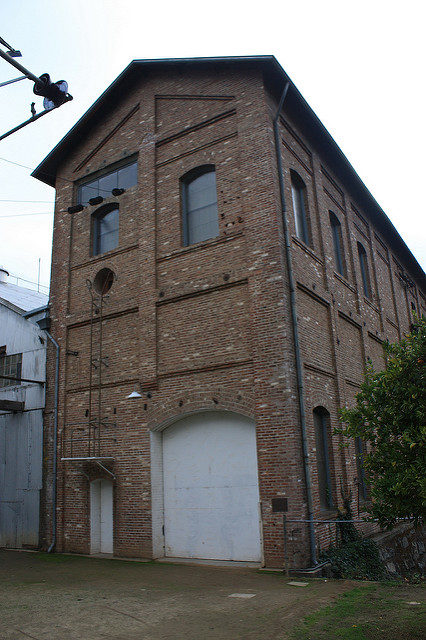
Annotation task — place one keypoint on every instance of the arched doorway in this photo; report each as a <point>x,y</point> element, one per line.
<point>211,489</point>
<point>101,516</point>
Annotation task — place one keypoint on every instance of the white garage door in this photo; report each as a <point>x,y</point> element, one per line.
<point>211,491</point>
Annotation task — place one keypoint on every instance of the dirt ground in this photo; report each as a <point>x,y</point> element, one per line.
<point>62,597</point>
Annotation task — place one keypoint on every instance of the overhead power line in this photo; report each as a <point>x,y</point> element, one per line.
<point>41,201</point>
<point>23,215</point>
<point>47,175</point>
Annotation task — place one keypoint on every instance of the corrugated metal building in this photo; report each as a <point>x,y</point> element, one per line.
<point>22,397</point>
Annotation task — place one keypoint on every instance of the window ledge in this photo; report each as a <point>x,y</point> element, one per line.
<point>307,249</point>
<point>199,245</point>
<point>371,304</point>
<point>344,281</point>
<point>103,256</point>
<point>328,514</point>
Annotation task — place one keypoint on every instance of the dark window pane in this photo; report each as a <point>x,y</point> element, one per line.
<point>123,178</point>
<point>106,232</point>
<point>298,192</point>
<point>337,243</point>
<point>363,491</point>
<point>128,176</point>
<point>87,191</point>
<point>107,184</point>
<point>201,208</point>
<point>321,424</point>
<point>365,276</point>
<point>10,366</point>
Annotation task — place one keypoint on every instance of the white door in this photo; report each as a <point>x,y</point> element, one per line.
<point>101,516</point>
<point>211,491</point>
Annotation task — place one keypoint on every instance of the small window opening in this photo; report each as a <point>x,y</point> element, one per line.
<point>365,276</point>
<point>300,207</point>
<point>103,281</point>
<point>323,448</point>
<point>336,230</point>
<point>199,200</point>
<point>105,229</point>
<point>360,450</point>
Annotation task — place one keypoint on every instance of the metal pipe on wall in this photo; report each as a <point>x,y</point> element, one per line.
<point>299,372</point>
<point>55,443</point>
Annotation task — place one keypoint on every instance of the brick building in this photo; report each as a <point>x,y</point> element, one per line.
<point>226,268</point>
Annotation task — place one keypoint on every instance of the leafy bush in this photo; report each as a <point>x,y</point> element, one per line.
<point>390,415</point>
<point>356,560</point>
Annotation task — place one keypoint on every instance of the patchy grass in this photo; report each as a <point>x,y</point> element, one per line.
<point>371,612</point>
<point>56,558</point>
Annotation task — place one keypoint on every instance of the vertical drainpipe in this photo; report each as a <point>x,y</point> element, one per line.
<point>55,443</point>
<point>295,332</point>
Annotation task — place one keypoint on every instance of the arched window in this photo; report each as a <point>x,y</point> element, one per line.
<point>300,208</point>
<point>323,447</point>
<point>199,203</point>
<point>339,256</point>
<point>360,450</point>
<point>105,229</point>
<point>365,276</point>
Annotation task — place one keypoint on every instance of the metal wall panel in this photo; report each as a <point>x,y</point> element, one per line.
<point>20,478</point>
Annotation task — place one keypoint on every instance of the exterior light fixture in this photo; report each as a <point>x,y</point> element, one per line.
<point>134,395</point>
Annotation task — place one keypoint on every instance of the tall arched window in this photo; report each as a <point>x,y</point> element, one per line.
<point>339,256</point>
<point>300,208</point>
<point>199,203</point>
<point>105,229</point>
<point>360,450</point>
<point>365,276</point>
<point>323,447</point>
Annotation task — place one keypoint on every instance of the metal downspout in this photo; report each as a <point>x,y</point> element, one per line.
<point>55,444</point>
<point>311,526</point>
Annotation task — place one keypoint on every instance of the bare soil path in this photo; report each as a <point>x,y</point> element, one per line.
<point>63,597</point>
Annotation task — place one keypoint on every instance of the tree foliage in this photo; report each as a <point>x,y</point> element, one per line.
<point>390,415</point>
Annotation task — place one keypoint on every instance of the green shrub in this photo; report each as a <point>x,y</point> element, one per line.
<point>356,560</point>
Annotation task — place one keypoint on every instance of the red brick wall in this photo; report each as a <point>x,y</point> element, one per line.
<point>208,326</point>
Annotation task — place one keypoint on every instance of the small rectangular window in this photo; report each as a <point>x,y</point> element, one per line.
<point>363,489</point>
<point>105,230</point>
<point>128,176</point>
<point>107,184</point>
<point>10,366</point>
<point>123,178</point>
<point>336,229</point>
<point>365,276</point>
<point>200,205</point>
<point>322,428</point>
<point>298,193</point>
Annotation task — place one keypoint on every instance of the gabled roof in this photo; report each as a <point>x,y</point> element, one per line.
<point>295,106</point>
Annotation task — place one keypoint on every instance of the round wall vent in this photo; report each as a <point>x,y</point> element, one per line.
<point>103,281</point>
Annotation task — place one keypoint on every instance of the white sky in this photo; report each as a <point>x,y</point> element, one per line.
<point>360,65</point>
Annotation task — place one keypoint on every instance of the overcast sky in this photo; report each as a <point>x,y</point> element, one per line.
<point>360,66</point>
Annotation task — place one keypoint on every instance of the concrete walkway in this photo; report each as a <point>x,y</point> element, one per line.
<point>64,597</point>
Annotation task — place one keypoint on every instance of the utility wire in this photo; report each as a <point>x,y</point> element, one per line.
<point>43,201</point>
<point>18,164</point>
<point>23,215</point>
<point>50,175</point>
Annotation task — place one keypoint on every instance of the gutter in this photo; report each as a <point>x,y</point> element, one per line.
<point>300,389</point>
<point>55,444</point>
